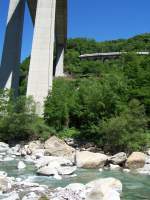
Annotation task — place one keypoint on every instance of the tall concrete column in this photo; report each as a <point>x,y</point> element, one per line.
<point>59,71</point>
<point>61,35</point>
<point>41,64</point>
<point>9,70</point>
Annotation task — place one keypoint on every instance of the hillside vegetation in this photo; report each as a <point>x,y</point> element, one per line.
<point>105,103</point>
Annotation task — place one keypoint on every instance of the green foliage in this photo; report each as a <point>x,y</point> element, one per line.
<point>69,133</point>
<point>127,131</point>
<point>18,120</point>
<point>107,103</point>
<point>59,103</point>
<point>24,68</point>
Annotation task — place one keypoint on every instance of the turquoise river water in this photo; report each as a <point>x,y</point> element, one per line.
<point>135,186</point>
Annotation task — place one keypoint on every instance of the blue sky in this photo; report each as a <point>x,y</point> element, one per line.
<point>99,19</point>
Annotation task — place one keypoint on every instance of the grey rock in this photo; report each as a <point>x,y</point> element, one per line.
<point>118,158</point>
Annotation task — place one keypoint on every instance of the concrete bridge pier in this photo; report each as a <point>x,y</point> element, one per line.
<point>59,70</point>
<point>61,35</point>
<point>41,65</point>
<point>9,70</point>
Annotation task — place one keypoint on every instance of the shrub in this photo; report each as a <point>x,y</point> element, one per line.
<point>69,133</point>
<point>126,132</point>
<point>18,119</point>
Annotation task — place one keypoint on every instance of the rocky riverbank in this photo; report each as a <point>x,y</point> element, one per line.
<point>58,159</point>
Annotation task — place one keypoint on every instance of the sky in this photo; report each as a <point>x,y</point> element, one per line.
<point>98,19</point>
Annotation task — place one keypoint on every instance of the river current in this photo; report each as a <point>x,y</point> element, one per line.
<point>135,186</point>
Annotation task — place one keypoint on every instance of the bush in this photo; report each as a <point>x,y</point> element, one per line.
<point>69,133</point>
<point>126,132</point>
<point>104,102</point>
<point>18,119</point>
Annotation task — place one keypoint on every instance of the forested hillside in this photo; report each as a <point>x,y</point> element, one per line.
<point>105,103</point>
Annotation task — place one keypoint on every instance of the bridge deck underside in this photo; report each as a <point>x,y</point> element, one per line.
<point>61,18</point>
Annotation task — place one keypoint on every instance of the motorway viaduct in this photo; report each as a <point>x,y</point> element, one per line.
<point>49,19</point>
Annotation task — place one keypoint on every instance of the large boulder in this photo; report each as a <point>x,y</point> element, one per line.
<point>106,183</point>
<point>57,166</point>
<point>136,160</point>
<point>118,158</point>
<point>52,160</point>
<point>101,189</point>
<point>53,171</point>
<point>57,147</point>
<point>5,184</point>
<point>35,145</point>
<point>86,159</point>
<point>106,189</point>
<point>49,171</point>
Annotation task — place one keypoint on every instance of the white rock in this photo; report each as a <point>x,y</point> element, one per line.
<point>31,196</point>
<point>7,158</point>
<point>57,176</point>
<point>114,167</point>
<point>111,195</point>
<point>47,171</point>
<point>3,174</point>
<point>101,189</point>
<point>15,150</point>
<point>4,147</point>
<point>148,152</point>
<point>105,183</point>
<point>105,189</point>
<point>52,160</point>
<point>23,152</point>
<point>126,170</point>
<point>18,179</point>
<point>2,153</point>
<point>76,187</point>
<point>12,196</point>
<point>66,170</point>
<point>5,184</point>
<point>145,169</point>
<point>21,165</point>
<point>74,191</point>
